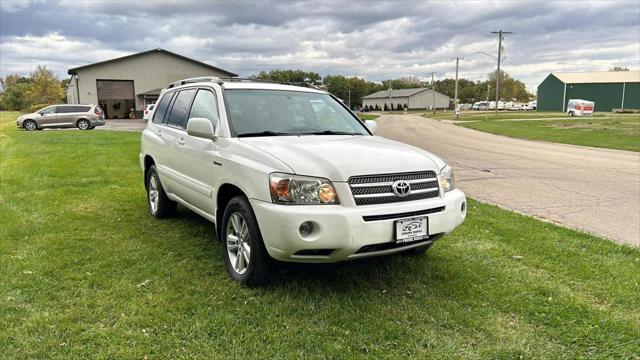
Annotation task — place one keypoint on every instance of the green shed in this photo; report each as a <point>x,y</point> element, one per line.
<point>608,89</point>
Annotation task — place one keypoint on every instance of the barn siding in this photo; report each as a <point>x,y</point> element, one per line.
<point>550,94</point>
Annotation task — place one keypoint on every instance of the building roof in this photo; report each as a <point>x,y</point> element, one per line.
<point>154,92</point>
<point>597,77</point>
<point>395,93</point>
<point>74,71</point>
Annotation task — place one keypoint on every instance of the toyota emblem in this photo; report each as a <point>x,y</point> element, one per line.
<point>401,188</point>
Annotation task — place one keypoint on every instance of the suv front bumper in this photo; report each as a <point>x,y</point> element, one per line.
<point>341,233</point>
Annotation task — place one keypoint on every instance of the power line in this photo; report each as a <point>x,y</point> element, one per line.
<point>500,38</point>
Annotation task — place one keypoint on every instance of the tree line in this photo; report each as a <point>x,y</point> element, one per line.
<point>42,87</point>
<point>353,89</point>
<point>32,92</point>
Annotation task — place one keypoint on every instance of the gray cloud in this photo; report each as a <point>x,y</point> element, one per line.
<point>374,39</point>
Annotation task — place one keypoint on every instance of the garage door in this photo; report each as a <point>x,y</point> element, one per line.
<point>115,90</point>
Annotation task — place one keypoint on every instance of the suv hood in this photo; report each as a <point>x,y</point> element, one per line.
<point>340,157</point>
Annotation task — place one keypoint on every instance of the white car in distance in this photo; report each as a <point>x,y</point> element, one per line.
<point>289,173</point>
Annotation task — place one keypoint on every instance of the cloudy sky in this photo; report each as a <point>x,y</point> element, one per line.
<point>376,40</point>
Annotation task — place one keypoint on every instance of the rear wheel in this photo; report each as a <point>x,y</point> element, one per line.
<point>244,252</point>
<point>83,124</point>
<point>160,205</point>
<point>30,125</point>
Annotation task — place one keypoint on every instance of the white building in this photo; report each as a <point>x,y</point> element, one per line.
<point>420,98</point>
<point>131,82</point>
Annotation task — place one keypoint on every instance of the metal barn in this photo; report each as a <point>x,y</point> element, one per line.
<point>608,89</point>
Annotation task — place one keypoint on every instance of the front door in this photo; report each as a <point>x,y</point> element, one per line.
<point>48,117</point>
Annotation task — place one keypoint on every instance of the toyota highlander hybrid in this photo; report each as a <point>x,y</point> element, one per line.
<point>290,173</point>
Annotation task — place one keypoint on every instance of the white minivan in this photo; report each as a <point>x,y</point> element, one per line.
<point>578,107</point>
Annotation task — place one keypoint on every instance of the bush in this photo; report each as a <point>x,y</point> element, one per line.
<point>399,107</point>
<point>386,108</point>
<point>36,107</point>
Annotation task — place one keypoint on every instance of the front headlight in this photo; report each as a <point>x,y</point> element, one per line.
<point>447,179</point>
<point>301,190</point>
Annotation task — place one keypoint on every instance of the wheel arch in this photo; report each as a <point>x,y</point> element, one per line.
<point>148,161</point>
<point>226,192</point>
<point>29,119</point>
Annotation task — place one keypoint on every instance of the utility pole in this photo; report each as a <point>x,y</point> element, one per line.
<point>500,37</point>
<point>455,102</point>
<point>433,93</point>
<point>349,99</point>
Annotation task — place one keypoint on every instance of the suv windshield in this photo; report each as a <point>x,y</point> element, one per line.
<point>277,112</point>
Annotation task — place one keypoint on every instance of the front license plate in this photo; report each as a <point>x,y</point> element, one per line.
<point>413,229</point>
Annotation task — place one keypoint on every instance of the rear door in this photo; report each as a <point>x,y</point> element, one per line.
<point>173,132</point>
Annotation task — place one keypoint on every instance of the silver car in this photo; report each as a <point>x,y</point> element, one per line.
<point>84,117</point>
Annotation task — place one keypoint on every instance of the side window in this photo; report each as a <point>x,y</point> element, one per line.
<point>49,110</point>
<point>63,109</point>
<point>180,109</point>
<point>205,106</point>
<point>162,108</point>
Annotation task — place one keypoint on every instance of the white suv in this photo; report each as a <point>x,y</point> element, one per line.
<point>289,173</point>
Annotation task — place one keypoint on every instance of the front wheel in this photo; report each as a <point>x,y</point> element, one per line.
<point>30,125</point>
<point>244,252</point>
<point>83,124</point>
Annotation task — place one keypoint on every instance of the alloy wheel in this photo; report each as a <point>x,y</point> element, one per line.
<point>238,246</point>
<point>83,125</point>
<point>154,199</point>
<point>30,126</point>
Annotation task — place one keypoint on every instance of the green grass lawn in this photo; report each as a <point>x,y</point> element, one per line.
<point>605,130</point>
<point>85,271</point>
<point>364,116</point>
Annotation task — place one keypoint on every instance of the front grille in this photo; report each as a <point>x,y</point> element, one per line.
<point>403,215</point>
<point>377,189</point>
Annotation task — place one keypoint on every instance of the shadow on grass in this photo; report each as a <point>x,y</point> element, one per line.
<point>361,277</point>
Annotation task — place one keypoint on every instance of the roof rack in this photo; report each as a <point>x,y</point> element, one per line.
<point>195,80</point>
<point>222,80</point>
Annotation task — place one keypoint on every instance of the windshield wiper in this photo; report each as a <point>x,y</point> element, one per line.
<point>329,132</point>
<point>263,133</point>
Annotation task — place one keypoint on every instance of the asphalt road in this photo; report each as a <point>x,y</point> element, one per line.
<point>594,190</point>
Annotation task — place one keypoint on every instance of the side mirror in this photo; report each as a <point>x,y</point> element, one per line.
<point>41,113</point>
<point>371,125</point>
<point>200,127</point>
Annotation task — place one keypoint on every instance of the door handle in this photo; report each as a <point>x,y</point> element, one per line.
<point>159,132</point>
<point>181,141</point>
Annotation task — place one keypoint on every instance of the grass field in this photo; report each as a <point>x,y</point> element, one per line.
<point>87,272</point>
<point>605,130</point>
<point>363,116</point>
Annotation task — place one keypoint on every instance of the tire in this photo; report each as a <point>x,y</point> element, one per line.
<point>158,203</point>
<point>242,241</point>
<point>420,250</point>
<point>571,113</point>
<point>83,124</point>
<point>30,125</point>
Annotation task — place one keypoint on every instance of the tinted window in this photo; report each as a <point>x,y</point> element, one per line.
<point>71,109</point>
<point>205,106</point>
<point>180,109</point>
<point>162,108</point>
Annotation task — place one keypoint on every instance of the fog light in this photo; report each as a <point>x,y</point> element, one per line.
<point>306,228</point>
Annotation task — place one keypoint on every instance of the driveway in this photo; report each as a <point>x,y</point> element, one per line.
<point>123,125</point>
<point>595,190</point>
